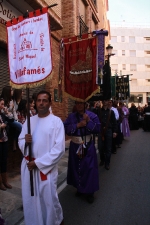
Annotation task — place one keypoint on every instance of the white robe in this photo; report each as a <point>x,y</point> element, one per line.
<point>48,146</point>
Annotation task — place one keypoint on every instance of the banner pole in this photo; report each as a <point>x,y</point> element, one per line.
<point>30,150</point>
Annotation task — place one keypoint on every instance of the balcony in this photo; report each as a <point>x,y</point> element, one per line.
<point>31,5</point>
<point>54,13</point>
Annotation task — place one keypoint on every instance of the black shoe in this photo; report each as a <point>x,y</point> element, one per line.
<point>114,152</point>
<point>118,146</point>
<point>101,163</point>
<point>90,198</point>
<point>78,194</point>
<point>107,167</point>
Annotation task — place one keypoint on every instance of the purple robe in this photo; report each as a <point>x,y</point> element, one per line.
<point>83,173</point>
<point>125,123</point>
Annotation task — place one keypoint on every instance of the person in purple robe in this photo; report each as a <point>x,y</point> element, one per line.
<point>125,123</point>
<point>82,163</point>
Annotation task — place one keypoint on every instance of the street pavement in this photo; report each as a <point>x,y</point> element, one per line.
<point>123,198</point>
<point>124,195</point>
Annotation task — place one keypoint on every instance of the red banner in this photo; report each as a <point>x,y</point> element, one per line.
<point>80,68</point>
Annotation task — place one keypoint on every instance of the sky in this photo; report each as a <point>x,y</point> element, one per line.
<point>129,11</point>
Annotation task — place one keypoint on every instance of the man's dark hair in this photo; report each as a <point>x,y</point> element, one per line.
<point>148,103</point>
<point>44,92</point>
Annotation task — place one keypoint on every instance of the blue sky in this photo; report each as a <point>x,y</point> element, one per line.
<point>129,11</point>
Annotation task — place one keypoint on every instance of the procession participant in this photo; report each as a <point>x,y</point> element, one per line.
<point>108,130</point>
<point>125,123</point>
<point>146,124</point>
<point>82,163</point>
<point>133,117</point>
<point>113,107</point>
<point>48,145</point>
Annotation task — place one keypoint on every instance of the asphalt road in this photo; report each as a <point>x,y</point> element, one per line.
<point>124,195</point>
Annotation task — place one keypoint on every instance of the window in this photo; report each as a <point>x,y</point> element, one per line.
<point>115,52</point>
<point>124,66</point>
<point>133,67</point>
<point>131,39</point>
<point>123,52</point>
<point>147,53</point>
<point>132,53</point>
<point>147,38</point>
<point>113,39</point>
<point>122,38</point>
<point>82,9</point>
<point>114,67</point>
<point>147,67</point>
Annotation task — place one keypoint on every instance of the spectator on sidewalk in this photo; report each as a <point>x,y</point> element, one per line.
<point>3,149</point>
<point>48,145</point>
<point>10,112</point>
<point>31,105</point>
<point>82,164</point>
<point>17,98</point>
<point>22,111</point>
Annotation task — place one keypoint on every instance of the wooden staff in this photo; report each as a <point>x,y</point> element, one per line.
<point>29,132</point>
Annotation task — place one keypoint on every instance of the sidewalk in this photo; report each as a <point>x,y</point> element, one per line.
<point>11,200</point>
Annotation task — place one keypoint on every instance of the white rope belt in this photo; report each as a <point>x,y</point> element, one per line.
<point>78,140</point>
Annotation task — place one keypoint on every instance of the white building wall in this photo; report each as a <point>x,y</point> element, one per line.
<point>120,40</point>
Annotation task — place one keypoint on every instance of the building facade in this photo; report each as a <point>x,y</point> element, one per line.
<point>131,46</point>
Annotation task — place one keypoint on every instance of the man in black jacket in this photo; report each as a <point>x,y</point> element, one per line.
<point>108,130</point>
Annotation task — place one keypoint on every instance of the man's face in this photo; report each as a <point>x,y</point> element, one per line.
<point>110,104</point>
<point>80,106</point>
<point>42,104</point>
<point>105,103</point>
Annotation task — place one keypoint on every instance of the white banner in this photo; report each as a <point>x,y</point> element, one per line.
<point>29,50</point>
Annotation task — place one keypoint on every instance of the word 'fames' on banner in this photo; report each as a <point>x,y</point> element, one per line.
<point>80,67</point>
<point>29,48</point>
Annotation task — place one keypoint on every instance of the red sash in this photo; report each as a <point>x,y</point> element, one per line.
<point>42,175</point>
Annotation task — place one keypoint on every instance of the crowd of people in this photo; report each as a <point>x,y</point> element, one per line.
<point>109,121</point>
<point>13,110</point>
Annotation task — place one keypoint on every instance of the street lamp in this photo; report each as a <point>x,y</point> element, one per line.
<point>109,49</point>
<point>107,73</point>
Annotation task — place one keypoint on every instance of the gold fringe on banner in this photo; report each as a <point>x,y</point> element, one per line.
<point>70,42</point>
<point>81,100</point>
<point>32,85</point>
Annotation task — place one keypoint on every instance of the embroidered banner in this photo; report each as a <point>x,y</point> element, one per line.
<point>122,87</point>
<point>113,87</point>
<point>80,67</point>
<point>100,53</point>
<point>29,48</point>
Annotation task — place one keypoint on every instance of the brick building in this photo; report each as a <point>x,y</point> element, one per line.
<point>65,20</point>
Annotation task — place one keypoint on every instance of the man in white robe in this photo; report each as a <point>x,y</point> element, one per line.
<point>47,139</point>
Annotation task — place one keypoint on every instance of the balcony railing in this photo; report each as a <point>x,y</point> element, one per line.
<point>94,1</point>
<point>82,26</point>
